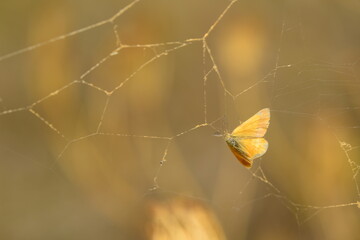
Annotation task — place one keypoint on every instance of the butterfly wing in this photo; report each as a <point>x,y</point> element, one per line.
<point>253,147</point>
<point>255,126</point>
<point>247,149</point>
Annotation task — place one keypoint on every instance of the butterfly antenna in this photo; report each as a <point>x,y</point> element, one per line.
<point>225,126</point>
<point>221,132</point>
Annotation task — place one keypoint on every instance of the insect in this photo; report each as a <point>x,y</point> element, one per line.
<point>246,142</point>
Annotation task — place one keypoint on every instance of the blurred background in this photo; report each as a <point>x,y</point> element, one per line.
<point>59,180</point>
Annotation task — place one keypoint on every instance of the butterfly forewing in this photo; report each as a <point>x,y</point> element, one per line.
<point>255,126</point>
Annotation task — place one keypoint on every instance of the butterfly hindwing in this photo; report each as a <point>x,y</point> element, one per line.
<point>247,149</point>
<point>255,126</point>
<point>252,148</point>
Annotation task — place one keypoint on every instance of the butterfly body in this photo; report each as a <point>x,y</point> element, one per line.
<point>246,142</point>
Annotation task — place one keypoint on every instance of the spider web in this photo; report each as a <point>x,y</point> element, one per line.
<point>121,117</point>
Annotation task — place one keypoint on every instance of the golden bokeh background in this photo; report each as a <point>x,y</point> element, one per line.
<point>79,161</point>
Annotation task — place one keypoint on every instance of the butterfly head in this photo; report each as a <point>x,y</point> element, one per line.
<point>230,140</point>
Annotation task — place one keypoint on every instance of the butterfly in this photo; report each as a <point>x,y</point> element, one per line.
<point>246,142</point>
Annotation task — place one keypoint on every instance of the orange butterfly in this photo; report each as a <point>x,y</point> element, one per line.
<point>246,141</point>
